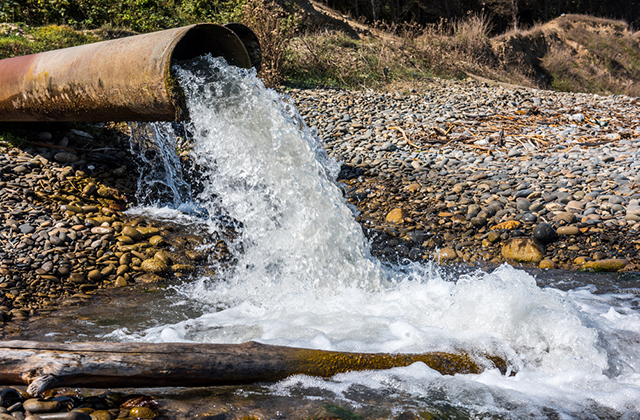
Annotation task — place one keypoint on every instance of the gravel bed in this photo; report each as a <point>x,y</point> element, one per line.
<point>467,171</point>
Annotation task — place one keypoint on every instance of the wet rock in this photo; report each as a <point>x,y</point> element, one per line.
<point>101,415</point>
<point>132,233</point>
<point>445,254</point>
<point>547,264</point>
<point>142,413</point>
<point>38,405</point>
<point>154,266</point>
<point>545,233</point>
<point>182,268</point>
<point>149,278</point>
<point>72,415</point>
<point>523,250</point>
<point>614,264</point>
<point>157,240</point>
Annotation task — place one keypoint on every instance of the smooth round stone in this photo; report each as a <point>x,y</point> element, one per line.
<point>547,264</point>
<point>94,276</point>
<point>614,264</point>
<point>568,230</point>
<point>536,207</point>
<point>523,205</point>
<point>38,405</point>
<point>131,232</point>
<point>616,199</point>
<point>154,266</point>
<point>564,216</point>
<point>529,218</point>
<point>102,415</point>
<point>9,396</point>
<point>395,216</point>
<point>478,221</point>
<point>157,240</point>
<point>71,415</point>
<point>44,136</point>
<point>101,230</point>
<point>445,254</point>
<point>142,413</point>
<point>545,233</point>
<point>598,255</point>
<point>163,256</point>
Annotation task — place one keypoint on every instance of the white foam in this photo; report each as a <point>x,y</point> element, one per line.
<point>305,278</point>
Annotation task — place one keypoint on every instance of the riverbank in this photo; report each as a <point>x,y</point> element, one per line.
<point>465,171</point>
<point>459,172</point>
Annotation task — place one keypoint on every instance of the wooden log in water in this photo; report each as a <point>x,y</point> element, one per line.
<point>43,365</point>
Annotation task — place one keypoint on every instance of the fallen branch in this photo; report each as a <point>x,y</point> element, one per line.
<point>42,365</point>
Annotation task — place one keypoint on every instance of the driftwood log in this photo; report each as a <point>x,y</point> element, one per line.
<point>42,365</point>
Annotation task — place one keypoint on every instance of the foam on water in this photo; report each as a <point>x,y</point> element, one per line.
<point>305,278</point>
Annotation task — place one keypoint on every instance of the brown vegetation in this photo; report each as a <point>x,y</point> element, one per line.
<point>571,53</point>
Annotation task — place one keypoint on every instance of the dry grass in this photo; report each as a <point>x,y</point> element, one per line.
<point>572,53</point>
<point>593,55</point>
<point>397,54</point>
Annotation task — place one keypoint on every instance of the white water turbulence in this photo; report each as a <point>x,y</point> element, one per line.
<point>304,277</point>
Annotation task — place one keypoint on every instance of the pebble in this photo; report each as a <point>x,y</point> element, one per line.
<point>84,406</point>
<point>556,166</point>
<point>524,250</point>
<point>568,230</point>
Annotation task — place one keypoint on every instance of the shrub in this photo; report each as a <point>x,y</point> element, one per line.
<point>274,29</point>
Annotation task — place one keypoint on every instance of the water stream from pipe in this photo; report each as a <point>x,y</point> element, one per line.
<point>305,277</point>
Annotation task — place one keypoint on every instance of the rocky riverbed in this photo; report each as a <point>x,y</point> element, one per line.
<point>457,171</point>
<point>64,234</point>
<point>466,171</point>
<point>460,172</point>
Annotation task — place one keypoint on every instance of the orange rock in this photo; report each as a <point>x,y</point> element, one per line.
<point>523,250</point>
<point>395,216</point>
<point>508,225</point>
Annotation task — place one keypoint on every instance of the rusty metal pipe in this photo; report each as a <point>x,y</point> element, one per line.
<point>126,79</point>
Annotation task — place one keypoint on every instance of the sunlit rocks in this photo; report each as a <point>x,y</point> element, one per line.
<point>568,230</point>
<point>521,249</point>
<point>154,266</point>
<point>545,233</point>
<point>547,264</point>
<point>131,232</point>
<point>396,215</point>
<point>94,276</point>
<point>142,413</point>
<point>445,254</point>
<point>614,264</point>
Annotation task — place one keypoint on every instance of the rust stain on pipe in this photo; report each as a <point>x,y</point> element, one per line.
<point>126,79</point>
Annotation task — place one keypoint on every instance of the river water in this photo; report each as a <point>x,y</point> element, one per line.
<point>305,278</point>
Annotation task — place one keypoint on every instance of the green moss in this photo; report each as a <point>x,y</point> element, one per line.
<point>11,139</point>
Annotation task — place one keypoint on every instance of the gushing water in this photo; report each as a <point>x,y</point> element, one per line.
<point>304,277</point>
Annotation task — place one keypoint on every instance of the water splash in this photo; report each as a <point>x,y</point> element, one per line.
<point>305,278</point>
<point>160,181</point>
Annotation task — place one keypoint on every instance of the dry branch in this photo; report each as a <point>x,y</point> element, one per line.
<point>112,365</point>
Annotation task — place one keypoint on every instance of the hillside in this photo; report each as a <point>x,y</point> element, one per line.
<point>571,53</point>
<point>307,44</point>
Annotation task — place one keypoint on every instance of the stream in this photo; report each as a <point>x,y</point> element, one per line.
<point>304,277</point>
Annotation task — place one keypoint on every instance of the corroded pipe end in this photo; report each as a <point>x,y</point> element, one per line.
<point>126,79</point>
